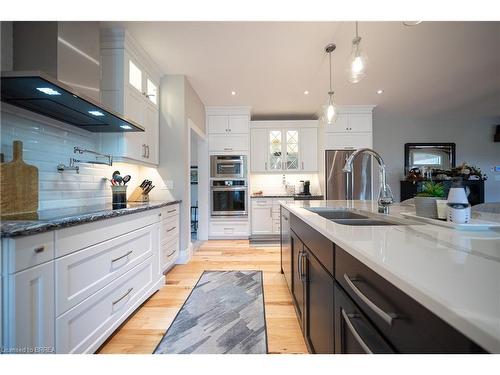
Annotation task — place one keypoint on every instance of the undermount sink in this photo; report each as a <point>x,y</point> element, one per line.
<point>346,217</point>
<point>330,214</point>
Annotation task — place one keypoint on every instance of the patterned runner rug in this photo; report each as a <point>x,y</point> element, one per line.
<point>224,314</point>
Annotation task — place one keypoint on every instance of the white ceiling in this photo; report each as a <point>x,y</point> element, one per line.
<point>435,69</point>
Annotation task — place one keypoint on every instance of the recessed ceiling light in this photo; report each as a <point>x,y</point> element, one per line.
<point>306,92</point>
<point>96,113</point>
<point>233,93</point>
<point>48,91</point>
<point>126,127</point>
<point>380,91</point>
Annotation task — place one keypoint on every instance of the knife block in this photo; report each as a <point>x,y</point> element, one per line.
<point>18,187</point>
<point>138,195</point>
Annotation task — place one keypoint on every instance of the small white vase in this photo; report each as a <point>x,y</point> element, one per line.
<point>442,208</point>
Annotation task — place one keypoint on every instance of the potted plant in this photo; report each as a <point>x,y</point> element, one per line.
<point>430,201</point>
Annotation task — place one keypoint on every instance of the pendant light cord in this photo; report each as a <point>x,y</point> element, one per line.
<point>357,30</point>
<point>330,57</point>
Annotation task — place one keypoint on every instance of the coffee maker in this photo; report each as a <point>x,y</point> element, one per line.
<point>307,187</point>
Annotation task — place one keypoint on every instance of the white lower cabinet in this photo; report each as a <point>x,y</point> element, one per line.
<point>228,229</point>
<point>262,216</point>
<point>30,302</point>
<point>85,327</point>
<point>266,216</point>
<point>67,290</point>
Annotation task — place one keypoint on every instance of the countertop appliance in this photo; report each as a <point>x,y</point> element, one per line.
<point>228,198</point>
<point>355,185</point>
<point>228,166</point>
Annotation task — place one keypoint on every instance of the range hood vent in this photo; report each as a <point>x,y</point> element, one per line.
<point>42,94</point>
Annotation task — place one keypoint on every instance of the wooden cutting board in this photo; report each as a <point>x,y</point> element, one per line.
<point>18,187</point>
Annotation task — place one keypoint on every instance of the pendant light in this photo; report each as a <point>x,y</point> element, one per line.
<point>331,108</point>
<point>357,60</point>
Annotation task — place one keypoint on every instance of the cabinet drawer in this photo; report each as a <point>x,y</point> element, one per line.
<point>81,274</point>
<point>24,252</point>
<point>320,246</point>
<point>413,329</point>
<point>169,228</point>
<point>85,327</point>
<point>262,202</point>
<point>168,253</point>
<point>228,142</point>
<point>75,238</point>
<point>170,211</point>
<point>228,229</point>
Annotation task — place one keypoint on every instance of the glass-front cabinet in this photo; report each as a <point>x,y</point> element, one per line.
<point>283,149</point>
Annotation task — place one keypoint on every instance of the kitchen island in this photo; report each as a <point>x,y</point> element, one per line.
<point>408,288</point>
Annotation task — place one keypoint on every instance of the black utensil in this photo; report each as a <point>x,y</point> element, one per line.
<point>126,179</point>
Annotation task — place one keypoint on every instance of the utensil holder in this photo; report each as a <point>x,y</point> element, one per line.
<point>119,196</point>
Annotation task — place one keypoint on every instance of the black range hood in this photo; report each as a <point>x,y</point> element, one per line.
<point>42,94</point>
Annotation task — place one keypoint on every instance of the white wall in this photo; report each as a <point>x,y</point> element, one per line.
<point>473,138</point>
<point>271,183</point>
<point>46,143</point>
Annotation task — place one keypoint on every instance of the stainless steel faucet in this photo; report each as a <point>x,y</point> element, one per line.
<point>385,197</point>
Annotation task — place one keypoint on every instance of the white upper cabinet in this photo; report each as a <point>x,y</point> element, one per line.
<point>352,130</point>
<point>278,146</point>
<point>228,129</point>
<point>129,85</point>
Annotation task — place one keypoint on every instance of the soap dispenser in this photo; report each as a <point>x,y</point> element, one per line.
<point>459,209</point>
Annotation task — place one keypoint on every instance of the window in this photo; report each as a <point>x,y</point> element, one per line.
<point>135,76</point>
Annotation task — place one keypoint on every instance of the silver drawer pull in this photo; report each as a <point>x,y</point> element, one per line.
<point>122,297</point>
<point>123,256</point>
<point>171,229</point>
<point>386,317</point>
<point>39,249</point>
<point>172,253</point>
<point>354,332</point>
<point>169,212</point>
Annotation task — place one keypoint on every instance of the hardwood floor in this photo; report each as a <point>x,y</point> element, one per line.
<point>142,332</point>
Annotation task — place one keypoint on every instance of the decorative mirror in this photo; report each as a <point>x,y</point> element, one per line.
<point>430,155</point>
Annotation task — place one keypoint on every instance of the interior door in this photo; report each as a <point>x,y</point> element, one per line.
<point>354,333</point>
<point>319,306</point>
<point>297,285</point>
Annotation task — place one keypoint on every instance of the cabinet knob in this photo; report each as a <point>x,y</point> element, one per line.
<point>39,249</point>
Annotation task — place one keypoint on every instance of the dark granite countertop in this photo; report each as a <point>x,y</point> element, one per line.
<point>295,197</point>
<point>66,217</point>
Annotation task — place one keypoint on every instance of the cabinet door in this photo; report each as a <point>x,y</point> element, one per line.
<point>309,149</point>
<point>341,125</point>
<point>348,141</point>
<point>258,150</point>
<point>238,124</point>
<point>152,135</point>
<point>262,217</point>
<point>151,91</point>
<point>218,124</point>
<point>227,142</point>
<point>319,329</point>
<point>31,314</point>
<point>134,108</point>
<point>275,147</point>
<point>134,75</point>
<point>354,333</point>
<point>286,247</point>
<point>297,285</point>
<point>360,122</point>
<point>291,149</point>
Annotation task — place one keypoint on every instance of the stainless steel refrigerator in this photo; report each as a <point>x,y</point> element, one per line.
<point>340,185</point>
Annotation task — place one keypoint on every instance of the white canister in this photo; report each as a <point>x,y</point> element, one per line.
<point>459,213</point>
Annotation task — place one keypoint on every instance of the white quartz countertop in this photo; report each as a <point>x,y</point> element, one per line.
<point>455,274</point>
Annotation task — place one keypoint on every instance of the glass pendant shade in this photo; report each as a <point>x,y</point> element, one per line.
<point>357,62</point>
<point>331,111</point>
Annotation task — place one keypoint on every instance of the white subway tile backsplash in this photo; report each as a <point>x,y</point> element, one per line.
<point>45,146</point>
